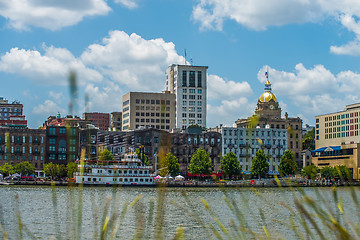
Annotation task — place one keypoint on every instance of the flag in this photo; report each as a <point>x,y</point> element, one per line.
<point>266,74</point>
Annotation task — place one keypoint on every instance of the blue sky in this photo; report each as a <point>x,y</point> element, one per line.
<point>311,49</point>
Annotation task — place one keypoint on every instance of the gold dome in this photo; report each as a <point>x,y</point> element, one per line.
<point>267,96</point>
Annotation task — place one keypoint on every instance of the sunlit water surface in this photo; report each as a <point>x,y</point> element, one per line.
<point>53,213</point>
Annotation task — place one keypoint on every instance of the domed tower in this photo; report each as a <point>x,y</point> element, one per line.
<point>267,105</point>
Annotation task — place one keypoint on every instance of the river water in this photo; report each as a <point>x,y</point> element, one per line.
<point>55,213</point>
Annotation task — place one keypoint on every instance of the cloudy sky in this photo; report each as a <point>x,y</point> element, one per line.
<point>310,48</point>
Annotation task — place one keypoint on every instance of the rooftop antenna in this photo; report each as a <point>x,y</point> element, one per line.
<point>191,61</point>
<point>185,57</point>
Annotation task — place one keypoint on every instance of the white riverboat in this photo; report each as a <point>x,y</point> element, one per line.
<point>129,171</point>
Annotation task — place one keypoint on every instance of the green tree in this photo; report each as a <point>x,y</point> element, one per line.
<point>342,172</point>
<point>7,169</point>
<point>71,167</point>
<point>327,172</point>
<point>308,141</point>
<point>24,168</point>
<point>51,169</point>
<point>61,170</point>
<point>141,155</point>
<point>260,166</point>
<point>104,157</point>
<point>200,163</point>
<point>230,165</point>
<point>169,165</point>
<point>287,164</point>
<point>310,171</point>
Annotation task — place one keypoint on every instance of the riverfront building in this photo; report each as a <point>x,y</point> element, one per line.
<point>268,113</point>
<point>188,83</point>
<point>245,142</point>
<point>19,145</point>
<point>100,120</point>
<point>337,139</point>
<point>116,121</point>
<point>145,109</point>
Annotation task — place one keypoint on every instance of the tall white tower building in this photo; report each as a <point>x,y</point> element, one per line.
<point>188,83</point>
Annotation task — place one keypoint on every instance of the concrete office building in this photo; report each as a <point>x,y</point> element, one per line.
<point>337,139</point>
<point>188,83</point>
<point>145,109</point>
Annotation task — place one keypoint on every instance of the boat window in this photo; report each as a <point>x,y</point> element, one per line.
<point>99,179</point>
<point>110,171</point>
<point>140,172</point>
<point>150,180</point>
<point>131,179</point>
<point>146,180</point>
<point>141,180</point>
<point>136,180</point>
<point>135,172</point>
<point>130,171</point>
<point>120,179</point>
<point>89,179</point>
<point>125,180</point>
<point>114,179</point>
<point>94,179</point>
<point>125,172</point>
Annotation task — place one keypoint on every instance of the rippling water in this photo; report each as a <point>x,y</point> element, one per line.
<point>36,207</point>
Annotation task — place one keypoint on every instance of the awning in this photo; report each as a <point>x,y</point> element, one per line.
<point>327,149</point>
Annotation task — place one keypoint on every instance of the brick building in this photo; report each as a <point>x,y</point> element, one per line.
<point>100,120</point>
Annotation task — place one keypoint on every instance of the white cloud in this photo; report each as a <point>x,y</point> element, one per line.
<point>261,14</point>
<point>131,4</point>
<point>49,68</point>
<point>56,95</point>
<point>218,88</point>
<point>228,111</point>
<point>48,108</point>
<point>53,15</point>
<point>312,91</point>
<point>132,61</point>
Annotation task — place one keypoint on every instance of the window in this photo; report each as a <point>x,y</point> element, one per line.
<point>184,103</point>
<point>199,103</point>
<point>52,141</point>
<point>184,90</point>
<point>192,79</point>
<point>184,80</point>
<point>183,96</point>
<point>62,130</point>
<point>199,79</point>
<point>184,109</point>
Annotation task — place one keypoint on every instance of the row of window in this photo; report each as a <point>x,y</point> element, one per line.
<point>10,109</point>
<point>192,103</point>
<point>343,128</point>
<point>191,109</point>
<point>340,116</point>
<point>126,172</point>
<point>250,152</point>
<point>62,130</point>
<point>340,135</point>
<point>152,120</point>
<point>256,133</point>
<point>152,114</point>
<point>191,122</point>
<point>199,97</point>
<point>257,142</point>
<point>151,108</point>
<point>22,139</point>
<point>115,180</point>
<point>151,101</point>
<point>191,90</point>
<point>19,149</point>
<point>30,158</point>
<point>192,115</point>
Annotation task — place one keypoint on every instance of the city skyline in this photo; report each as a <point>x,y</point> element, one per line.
<point>308,48</point>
